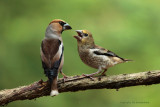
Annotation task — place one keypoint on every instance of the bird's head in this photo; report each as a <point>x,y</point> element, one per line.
<point>84,37</point>
<point>57,26</point>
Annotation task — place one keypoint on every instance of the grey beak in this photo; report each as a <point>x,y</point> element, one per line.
<point>66,27</point>
<point>79,32</point>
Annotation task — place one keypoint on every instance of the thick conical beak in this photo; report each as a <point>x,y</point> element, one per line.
<point>79,37</point>
<point>79,32</point>
<point>66,27</point>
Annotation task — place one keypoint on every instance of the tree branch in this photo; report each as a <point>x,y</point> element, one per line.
<point>77,83</point>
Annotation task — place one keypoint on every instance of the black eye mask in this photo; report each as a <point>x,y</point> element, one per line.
<point>62,23</point>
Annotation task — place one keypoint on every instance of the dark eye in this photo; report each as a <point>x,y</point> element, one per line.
<point>85,34</point>
<point>62,23</point>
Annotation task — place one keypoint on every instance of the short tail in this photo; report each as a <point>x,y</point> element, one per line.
<point>54,93</point>
<point>52,75</point>
<point>126,60</point>
<point>54,89</point>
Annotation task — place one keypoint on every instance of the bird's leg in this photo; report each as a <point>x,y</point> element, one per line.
<point>91,75</point>
<point>64,76</point>
<point>103,73</point>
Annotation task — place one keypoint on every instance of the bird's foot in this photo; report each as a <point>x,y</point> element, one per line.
<point>88,76</point>
<point>100,76</point>
<point>64,78</point>
<point>103,74</point>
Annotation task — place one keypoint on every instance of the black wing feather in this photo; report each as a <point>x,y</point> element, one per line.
<point>108,53</point>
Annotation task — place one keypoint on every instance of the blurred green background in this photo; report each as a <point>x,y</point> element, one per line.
<point>130,28</point>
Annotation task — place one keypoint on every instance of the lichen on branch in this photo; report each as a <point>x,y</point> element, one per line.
<point>77,83</point>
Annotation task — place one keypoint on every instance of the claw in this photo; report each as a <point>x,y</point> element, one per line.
<point>64,78</point>
<point>100,77</point>
<point>103,74</point>
<point>88,76</point>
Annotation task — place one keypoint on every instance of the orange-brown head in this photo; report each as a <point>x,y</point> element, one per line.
<point>56,27</point>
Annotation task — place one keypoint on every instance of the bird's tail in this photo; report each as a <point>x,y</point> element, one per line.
<point>54,89</point>
<point>126,60</point>
<point>52,75</point>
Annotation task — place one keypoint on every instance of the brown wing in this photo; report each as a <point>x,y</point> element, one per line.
<point>103,51</point>
<point>49,49</point>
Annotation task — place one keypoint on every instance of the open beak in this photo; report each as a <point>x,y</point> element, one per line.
<point>79,37</point>
<point>66,27</point>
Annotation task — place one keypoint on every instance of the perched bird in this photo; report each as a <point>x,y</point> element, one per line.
<point>95,56</point>
<point>52,52</point>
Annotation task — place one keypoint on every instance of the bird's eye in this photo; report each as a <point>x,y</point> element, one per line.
<point>62,23</point>
<point>85,34</point>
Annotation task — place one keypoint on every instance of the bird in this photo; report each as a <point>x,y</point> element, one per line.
<point>52,52</point>
<point>94,55</point>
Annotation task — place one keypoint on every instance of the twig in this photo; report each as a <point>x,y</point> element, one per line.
<point>77,83</point>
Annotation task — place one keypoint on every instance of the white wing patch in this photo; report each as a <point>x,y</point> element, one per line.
<point>60,49</point>
<point>105,58</point>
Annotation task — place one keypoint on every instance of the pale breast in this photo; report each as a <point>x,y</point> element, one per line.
<point>93,60</point>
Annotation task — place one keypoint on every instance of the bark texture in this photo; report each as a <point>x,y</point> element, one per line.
<point>77,83</point>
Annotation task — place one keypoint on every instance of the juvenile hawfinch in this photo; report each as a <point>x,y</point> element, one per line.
<point>52,52</point>
<point>95,56</point>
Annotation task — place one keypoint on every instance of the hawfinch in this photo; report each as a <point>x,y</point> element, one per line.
<point>52,52</point>
<point>95,56</point>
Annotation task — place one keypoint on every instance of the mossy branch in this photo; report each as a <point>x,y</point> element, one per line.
<point>77,83</point>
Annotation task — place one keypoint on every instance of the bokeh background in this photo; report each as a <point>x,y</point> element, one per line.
<point>130,28</point>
